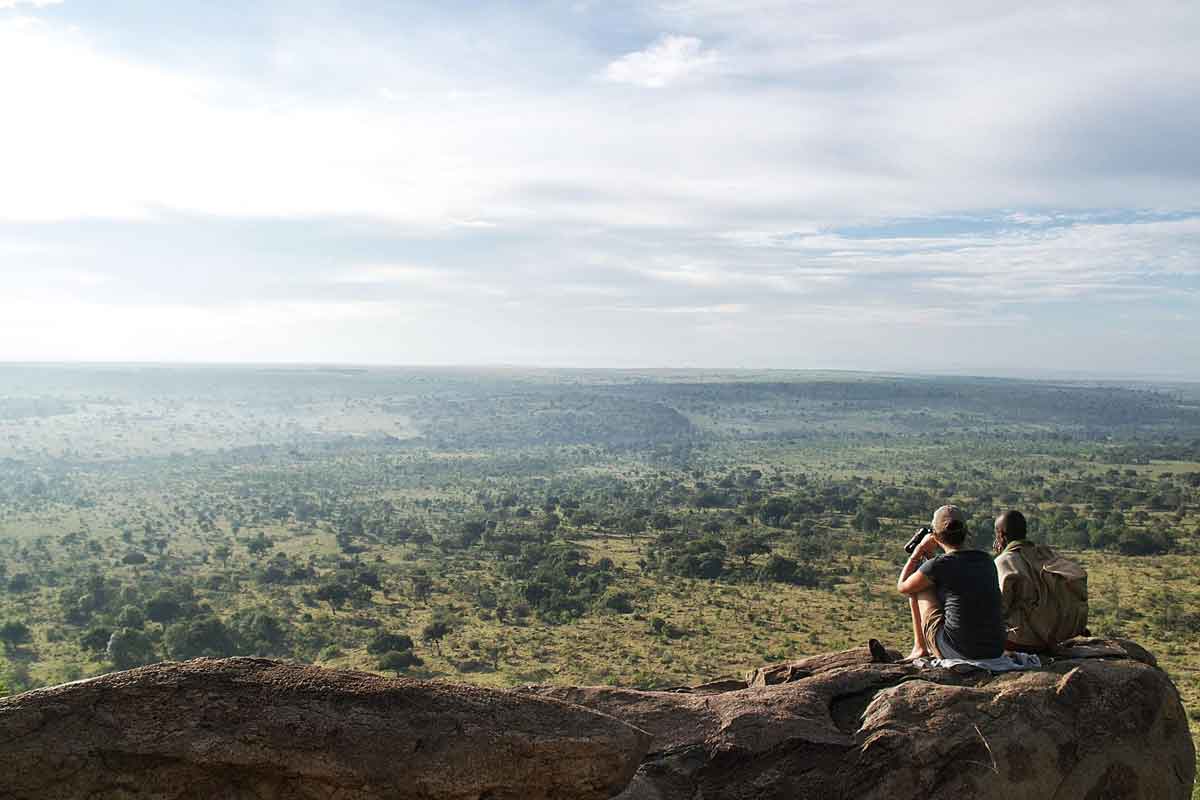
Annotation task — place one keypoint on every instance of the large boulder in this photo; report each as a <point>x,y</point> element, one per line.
<point>253,728</point>
<point>1103,724</point>
<point>789,671</point>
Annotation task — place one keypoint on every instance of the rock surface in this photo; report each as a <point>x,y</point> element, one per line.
<point>1101,724</point>
<point>1107,725</point>
<point>253,728</point>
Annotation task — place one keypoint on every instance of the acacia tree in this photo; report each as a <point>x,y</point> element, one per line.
<point>746,545</point>
<point>334,593</point>
<point>13,633</point>
<point>399,661</point>
<point>130,648</point>
<point>163,608</point>
<point>389,642</point>
<point>434,632</point>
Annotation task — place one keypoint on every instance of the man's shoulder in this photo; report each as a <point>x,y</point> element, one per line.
<point>979,560</point>
<point>931,563</point>
<point>1024,558</point>
<point>966,561</point>
<point>1014,551</point>
<point>1027,550</point>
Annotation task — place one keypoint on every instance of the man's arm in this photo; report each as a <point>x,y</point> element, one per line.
<point>1012,582</point>
<point>912,581</point>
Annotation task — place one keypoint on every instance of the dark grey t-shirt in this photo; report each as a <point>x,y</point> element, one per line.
<point>969,593</point>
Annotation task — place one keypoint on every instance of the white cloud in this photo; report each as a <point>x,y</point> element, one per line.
<point>719,308</point>
<point>496,150</point>
<point>831,118</point>
<point>74,277</point>
<point>417,278</point>
<point>94,135</point>
<point>391,273</point>
<point>770,279</point>
<point>669,60</point>
<point>6,4</point>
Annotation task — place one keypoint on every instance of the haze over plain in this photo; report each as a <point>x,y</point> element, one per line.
<point>939,187</point>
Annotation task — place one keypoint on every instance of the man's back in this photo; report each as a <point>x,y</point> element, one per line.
<point>969,595</point>
<point>1044,596</point>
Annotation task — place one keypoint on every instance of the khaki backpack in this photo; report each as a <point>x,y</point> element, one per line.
<point>1045,595</point>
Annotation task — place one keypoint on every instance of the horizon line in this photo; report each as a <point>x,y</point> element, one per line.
<point>1005,373</point>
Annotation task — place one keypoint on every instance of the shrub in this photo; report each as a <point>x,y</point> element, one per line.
<point>616,600</point>
<point>258,632</point>
<point>129,648</point>
<point>205,636</point>
<point>399,661</point>
<point>96,639</point>
<point>1143,543</point>
<point>389,642</point>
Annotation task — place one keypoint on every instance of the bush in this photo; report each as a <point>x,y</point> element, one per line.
<point>785,570</point>
<point>615,600</point>
<point>14,633</point>
<point>21,582</point>
<point>399,661</point>
<point>130,617</point>
<point>205,636</point>
<point>435,631</point>
<point>96,639</point>
<point>660,627</point>
<point>1143,543</point>
<point>389,642</point>
<point>128,648</point>
<point>258,632</point>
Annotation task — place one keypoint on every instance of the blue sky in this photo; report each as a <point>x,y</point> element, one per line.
<point>937,186</point>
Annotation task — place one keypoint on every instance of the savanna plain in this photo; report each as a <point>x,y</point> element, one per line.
<point>504,527</point>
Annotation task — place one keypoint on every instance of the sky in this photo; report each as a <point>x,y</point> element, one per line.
<point>980,187</point>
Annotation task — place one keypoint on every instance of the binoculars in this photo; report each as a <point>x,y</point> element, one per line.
<point>917,538</point>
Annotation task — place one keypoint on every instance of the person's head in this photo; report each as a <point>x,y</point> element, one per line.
<point>949,526</point>
<point>1010,527</point>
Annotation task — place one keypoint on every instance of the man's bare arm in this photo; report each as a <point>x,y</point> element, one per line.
<point>912,582</point>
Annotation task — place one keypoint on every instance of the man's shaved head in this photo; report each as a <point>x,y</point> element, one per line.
<point>1011,525</point>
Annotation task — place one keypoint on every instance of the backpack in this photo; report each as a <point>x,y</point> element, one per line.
<point>1045,595</point>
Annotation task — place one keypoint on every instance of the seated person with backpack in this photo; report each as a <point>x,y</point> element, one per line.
<point>954,596</point>
<point>1044,595</point>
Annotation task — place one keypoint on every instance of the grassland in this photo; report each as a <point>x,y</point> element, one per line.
<point>645,529</point>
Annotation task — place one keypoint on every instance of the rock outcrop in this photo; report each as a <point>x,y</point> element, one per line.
<point>1106,725</point>
<point>253,728</point>
<point>1101,724</point>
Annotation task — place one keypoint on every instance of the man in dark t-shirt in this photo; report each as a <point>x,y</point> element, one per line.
<point>955,596</point>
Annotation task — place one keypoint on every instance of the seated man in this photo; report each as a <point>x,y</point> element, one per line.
<point>1043,595</point>
<point>954,596</point>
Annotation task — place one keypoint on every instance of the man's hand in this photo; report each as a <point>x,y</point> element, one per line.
<point>911,581</point>
<point>926,548</point>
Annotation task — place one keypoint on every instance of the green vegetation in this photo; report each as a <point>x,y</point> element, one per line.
<point>648,529</point>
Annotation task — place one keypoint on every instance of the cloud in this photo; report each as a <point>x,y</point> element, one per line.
<point>7,4</point>
<point>99,135</point>
<point>408,277</point>
<point>669,60</point>
<point>830,164</point>
<point>821,118</point>
<point>74,277</point>
<point>83,329</point>
<point>391,273</point>
<point>720,308</point>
